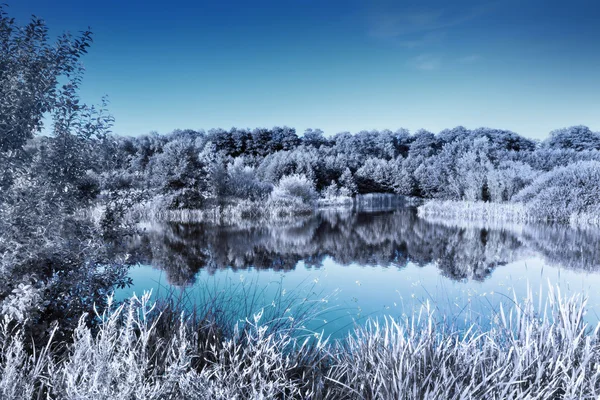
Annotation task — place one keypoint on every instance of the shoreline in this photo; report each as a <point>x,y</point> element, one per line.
<point>496,213</point>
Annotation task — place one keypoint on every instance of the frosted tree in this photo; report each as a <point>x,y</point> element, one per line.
<point>243,183</point>
<point>275,166</point>
<point>454,134</point>
<point>472,169</point>
<point>402,141</point>
<point>424,143</point>
<point>313,137</point>
<point>285,139</point>
<point>563,192</point>
<point>306,160</point>
<point>31,67</point>
<point>347,183</point>
<point>331,191</point>
<point>375,175</point>
<point>430,176</point>
<point>503,140</point>
<point>403,182</point>
<point>181,175</point>
<point>508,179</point>
<point>575,137</point>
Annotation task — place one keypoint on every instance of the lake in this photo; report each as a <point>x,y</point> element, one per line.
<point>349,265</point>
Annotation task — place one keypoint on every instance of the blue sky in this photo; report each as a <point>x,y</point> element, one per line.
<point>527,66</point>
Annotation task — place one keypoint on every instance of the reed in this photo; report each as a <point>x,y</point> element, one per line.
<point>533,348</point>
<point>514,212</point>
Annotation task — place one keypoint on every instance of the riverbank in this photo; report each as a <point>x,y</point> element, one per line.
<point>475,210</point>
<point>497,212</point>
<point>150,351</point>
<point>266,210</point>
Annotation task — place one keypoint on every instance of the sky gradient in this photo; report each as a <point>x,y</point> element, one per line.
<point>527,66</point>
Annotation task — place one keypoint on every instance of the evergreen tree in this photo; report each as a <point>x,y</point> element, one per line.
<point>347,182</point>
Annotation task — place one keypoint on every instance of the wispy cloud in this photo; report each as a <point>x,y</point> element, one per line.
<point>470,59</point>
<point>386,23</point>
<point>426,62</point>
<point>422,30</point>
<point>424,40</point>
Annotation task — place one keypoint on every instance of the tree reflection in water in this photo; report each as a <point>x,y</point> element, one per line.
<point>385,238</point>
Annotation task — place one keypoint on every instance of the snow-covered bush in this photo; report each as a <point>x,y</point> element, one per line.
<point>293,188</point>
<point>564,192</point>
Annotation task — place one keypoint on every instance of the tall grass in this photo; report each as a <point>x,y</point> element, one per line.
<point>533,349</point>
<point>335,201</point>
<point>475,210</point>
<point>516,212</point>
<point>225,213</point>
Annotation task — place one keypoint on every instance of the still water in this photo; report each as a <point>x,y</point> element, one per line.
<point>349,265</point>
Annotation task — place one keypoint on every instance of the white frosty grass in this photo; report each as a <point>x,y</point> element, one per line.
<point>234,213</point>
<point>534,349</point>
<point>243,209</point>
<point>495,212</point>
<point>335,201</point>
<point>475,210</point>
<point>585,219</point>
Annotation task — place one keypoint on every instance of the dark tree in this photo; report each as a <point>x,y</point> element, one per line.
<point>30,69</point>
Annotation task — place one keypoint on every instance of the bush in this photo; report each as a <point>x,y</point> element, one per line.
<point>294,188</point>
<point>564,192</point>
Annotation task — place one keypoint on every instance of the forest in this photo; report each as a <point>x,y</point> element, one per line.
<point>555,179</point>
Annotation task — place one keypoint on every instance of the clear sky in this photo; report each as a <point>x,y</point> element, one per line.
<point>527,66</point>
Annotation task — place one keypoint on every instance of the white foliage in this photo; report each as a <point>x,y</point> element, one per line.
<point>564,192</point>
<point>526,352</point>
<point>19,304</point>
<point>293,188</point>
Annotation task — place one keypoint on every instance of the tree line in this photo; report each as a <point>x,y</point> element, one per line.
<point>196,169</point>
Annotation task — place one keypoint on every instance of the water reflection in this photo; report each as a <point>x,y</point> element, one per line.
<point>572,247</point>
<point>390,239</point>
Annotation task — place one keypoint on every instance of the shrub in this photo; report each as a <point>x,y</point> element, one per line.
<point>294,188</point>
<point>564,192</point>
